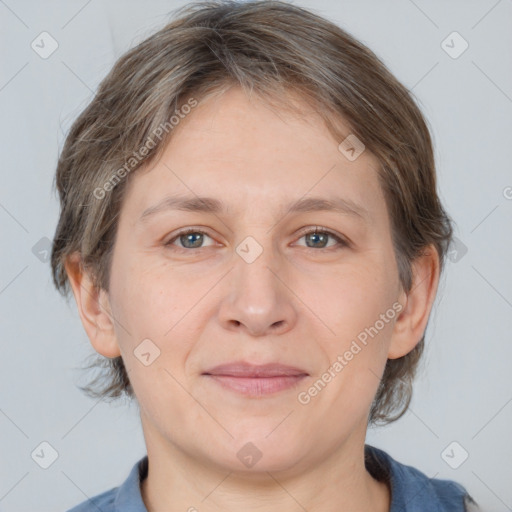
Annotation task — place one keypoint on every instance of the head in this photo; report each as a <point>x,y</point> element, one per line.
<point>255,105</point>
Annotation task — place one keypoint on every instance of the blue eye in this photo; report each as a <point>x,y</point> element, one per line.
<point>193,238</point>
<point>319,238</point>
<point>190,239</point>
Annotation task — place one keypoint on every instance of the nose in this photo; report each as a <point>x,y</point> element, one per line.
<point>259,300</point>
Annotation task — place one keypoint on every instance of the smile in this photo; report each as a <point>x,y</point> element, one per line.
<point>252,380</point>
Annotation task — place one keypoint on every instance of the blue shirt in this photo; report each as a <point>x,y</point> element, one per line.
<point>411,490</point>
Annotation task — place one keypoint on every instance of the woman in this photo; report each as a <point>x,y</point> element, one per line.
<point>251,230</point>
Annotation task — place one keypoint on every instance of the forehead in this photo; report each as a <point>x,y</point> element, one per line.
<point>248,154</point>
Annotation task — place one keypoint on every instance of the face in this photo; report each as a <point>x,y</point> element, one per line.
<point>260,337</point>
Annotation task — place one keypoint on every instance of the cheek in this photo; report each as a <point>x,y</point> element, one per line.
<point>149,312</point>
<point>352,301</point>
<point>146,297</point>
<point>362,316</point>
<point>356,358</point>
<point>156,341</point>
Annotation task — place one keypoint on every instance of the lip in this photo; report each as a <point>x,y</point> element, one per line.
<point>256,380</point>
<point>243,369</point>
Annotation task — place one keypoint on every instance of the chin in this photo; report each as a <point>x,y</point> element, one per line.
<point>256,453</point>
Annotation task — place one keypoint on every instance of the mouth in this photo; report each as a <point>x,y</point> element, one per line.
<point>256,380</point>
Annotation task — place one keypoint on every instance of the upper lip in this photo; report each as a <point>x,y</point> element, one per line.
<point>243,369</point>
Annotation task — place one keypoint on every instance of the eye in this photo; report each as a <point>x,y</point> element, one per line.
<point>190,238</point>
<point>318,238</point>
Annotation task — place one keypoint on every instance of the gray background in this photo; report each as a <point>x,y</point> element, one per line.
<point>464,390</point>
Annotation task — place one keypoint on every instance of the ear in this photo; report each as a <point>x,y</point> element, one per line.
<point>412,321</point>
<point>93,307</point>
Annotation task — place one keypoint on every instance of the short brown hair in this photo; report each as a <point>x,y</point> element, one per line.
<point>267,47</point>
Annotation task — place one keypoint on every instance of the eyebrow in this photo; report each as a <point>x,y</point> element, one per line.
<point>214,206</point>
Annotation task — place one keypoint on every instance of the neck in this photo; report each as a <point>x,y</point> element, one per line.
<point>179,482</point>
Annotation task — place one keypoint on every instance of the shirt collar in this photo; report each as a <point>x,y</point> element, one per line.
<point>128,497</point>
<point>409,488</point>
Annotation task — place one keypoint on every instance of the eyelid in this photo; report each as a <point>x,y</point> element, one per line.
<point>322,229</point>
<point>341,240</point>
<point>185,231</point>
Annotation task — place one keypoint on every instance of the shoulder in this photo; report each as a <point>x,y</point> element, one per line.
<point>103,502</point>
<point>124,498</point>
<point>412,490</point>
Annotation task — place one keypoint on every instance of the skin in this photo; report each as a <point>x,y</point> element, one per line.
<point>298,305</point>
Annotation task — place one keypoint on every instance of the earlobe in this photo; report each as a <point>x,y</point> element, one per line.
<point>93,307</point>
<point>412,321</point>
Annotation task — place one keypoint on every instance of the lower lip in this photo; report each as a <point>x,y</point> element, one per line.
<point>257,386</point>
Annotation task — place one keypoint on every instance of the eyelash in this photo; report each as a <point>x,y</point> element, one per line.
<point>318,229</point>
